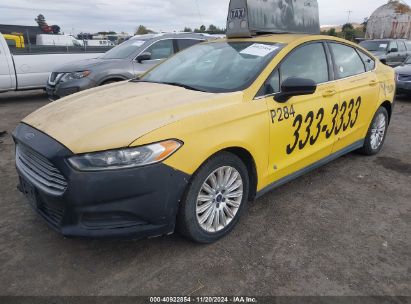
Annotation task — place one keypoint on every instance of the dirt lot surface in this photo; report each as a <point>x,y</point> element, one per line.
<point>344,229</point>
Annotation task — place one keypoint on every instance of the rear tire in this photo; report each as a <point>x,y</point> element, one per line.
<point>215,199</point>
<point>377,133</point>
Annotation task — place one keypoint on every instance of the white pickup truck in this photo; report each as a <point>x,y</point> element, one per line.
<point>30,68</point>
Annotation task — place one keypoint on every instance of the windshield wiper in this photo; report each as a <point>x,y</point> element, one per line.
<point>176,84</point>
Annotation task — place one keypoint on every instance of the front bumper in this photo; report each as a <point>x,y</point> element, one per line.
<point>63,89</point>
<point>131,203</point>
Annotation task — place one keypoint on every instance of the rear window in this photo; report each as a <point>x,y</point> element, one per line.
<point>401,46</point>
<point>347,60</point>
<point>368,61</point>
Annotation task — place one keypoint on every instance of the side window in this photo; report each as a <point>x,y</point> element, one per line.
<point>347,60</point>
<point>272,85</point>
<point>368,61</point>
<point>408,44</point>
<point>308,61</point>
<point>401,46</point>
<point>182,44</point>
<point>161,49</point>
<point>393,45</point>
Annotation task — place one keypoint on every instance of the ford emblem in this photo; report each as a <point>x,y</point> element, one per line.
<point>29,136</point>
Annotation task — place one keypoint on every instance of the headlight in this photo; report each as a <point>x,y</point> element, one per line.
<point>75,75</point>
<point>125,158</point>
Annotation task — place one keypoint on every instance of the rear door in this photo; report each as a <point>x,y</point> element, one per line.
<point>402,49</point>
<point>301,129</point>
<point>359,92</point>
<point>393,56</point>
<point>6,70</point>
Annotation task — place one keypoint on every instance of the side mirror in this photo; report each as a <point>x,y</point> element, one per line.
<point>393,50</point>
<point>295,86</point>
<point>143,57</point>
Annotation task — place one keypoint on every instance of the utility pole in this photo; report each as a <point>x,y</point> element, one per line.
<point>349,15</point>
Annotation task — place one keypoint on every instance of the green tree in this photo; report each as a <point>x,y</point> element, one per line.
<point>202,29</point>
<point>187,30</point>
<point>212,29</point>
<point>348,31</point>
<point>332,32</point>
<point>142,30</point>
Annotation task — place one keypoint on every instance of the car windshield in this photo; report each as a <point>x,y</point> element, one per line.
<point>215,67</point>
<point>375,46</point>
<point>125,49</point>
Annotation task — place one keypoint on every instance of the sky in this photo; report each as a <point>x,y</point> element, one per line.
<point>76,16</point>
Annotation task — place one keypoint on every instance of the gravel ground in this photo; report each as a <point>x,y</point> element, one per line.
<point>344,229</point>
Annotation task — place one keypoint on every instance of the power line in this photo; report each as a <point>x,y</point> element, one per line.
<point>199,12</point>
<point>349,15</point>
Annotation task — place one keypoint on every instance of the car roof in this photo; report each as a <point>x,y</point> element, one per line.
<point>287,38</point>
<point>174,35</point>
<point>382,39</point>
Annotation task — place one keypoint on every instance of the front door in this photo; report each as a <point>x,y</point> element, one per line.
<point>159,50</point>
<point>393,56</point>
<point>301,130</point>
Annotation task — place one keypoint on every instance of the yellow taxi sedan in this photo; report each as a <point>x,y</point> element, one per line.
<point>188,144</point>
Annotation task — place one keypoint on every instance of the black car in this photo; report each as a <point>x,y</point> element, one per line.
<point>403,77</point>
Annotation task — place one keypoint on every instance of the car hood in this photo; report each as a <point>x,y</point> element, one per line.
<point>116,115</point>
<point>82,65</point>
<point>404,69</point>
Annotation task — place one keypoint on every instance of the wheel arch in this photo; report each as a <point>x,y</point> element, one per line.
<point>388,106</point>
<point>112,78</point>
<point>248,160</point>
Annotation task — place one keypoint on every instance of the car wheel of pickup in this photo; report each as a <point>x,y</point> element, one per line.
<point>215,199</point>
<point>376,133</point>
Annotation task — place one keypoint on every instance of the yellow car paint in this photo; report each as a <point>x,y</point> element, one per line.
<point>134,114</point>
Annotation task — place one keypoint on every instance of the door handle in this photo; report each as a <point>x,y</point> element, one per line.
<point>373,83</point>
<point>329,93</point>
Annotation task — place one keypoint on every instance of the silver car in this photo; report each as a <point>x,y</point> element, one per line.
<point>391,52</point>
<point>126,61</point>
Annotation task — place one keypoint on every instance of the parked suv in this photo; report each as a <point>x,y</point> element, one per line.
<point>126,61</point>
<point>392,52</point>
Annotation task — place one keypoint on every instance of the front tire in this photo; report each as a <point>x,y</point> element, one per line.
<point>215,199</point>
<point>376,133</point>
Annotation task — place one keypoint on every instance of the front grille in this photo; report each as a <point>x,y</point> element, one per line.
<point>40,171</point>
<point>402,77</point>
